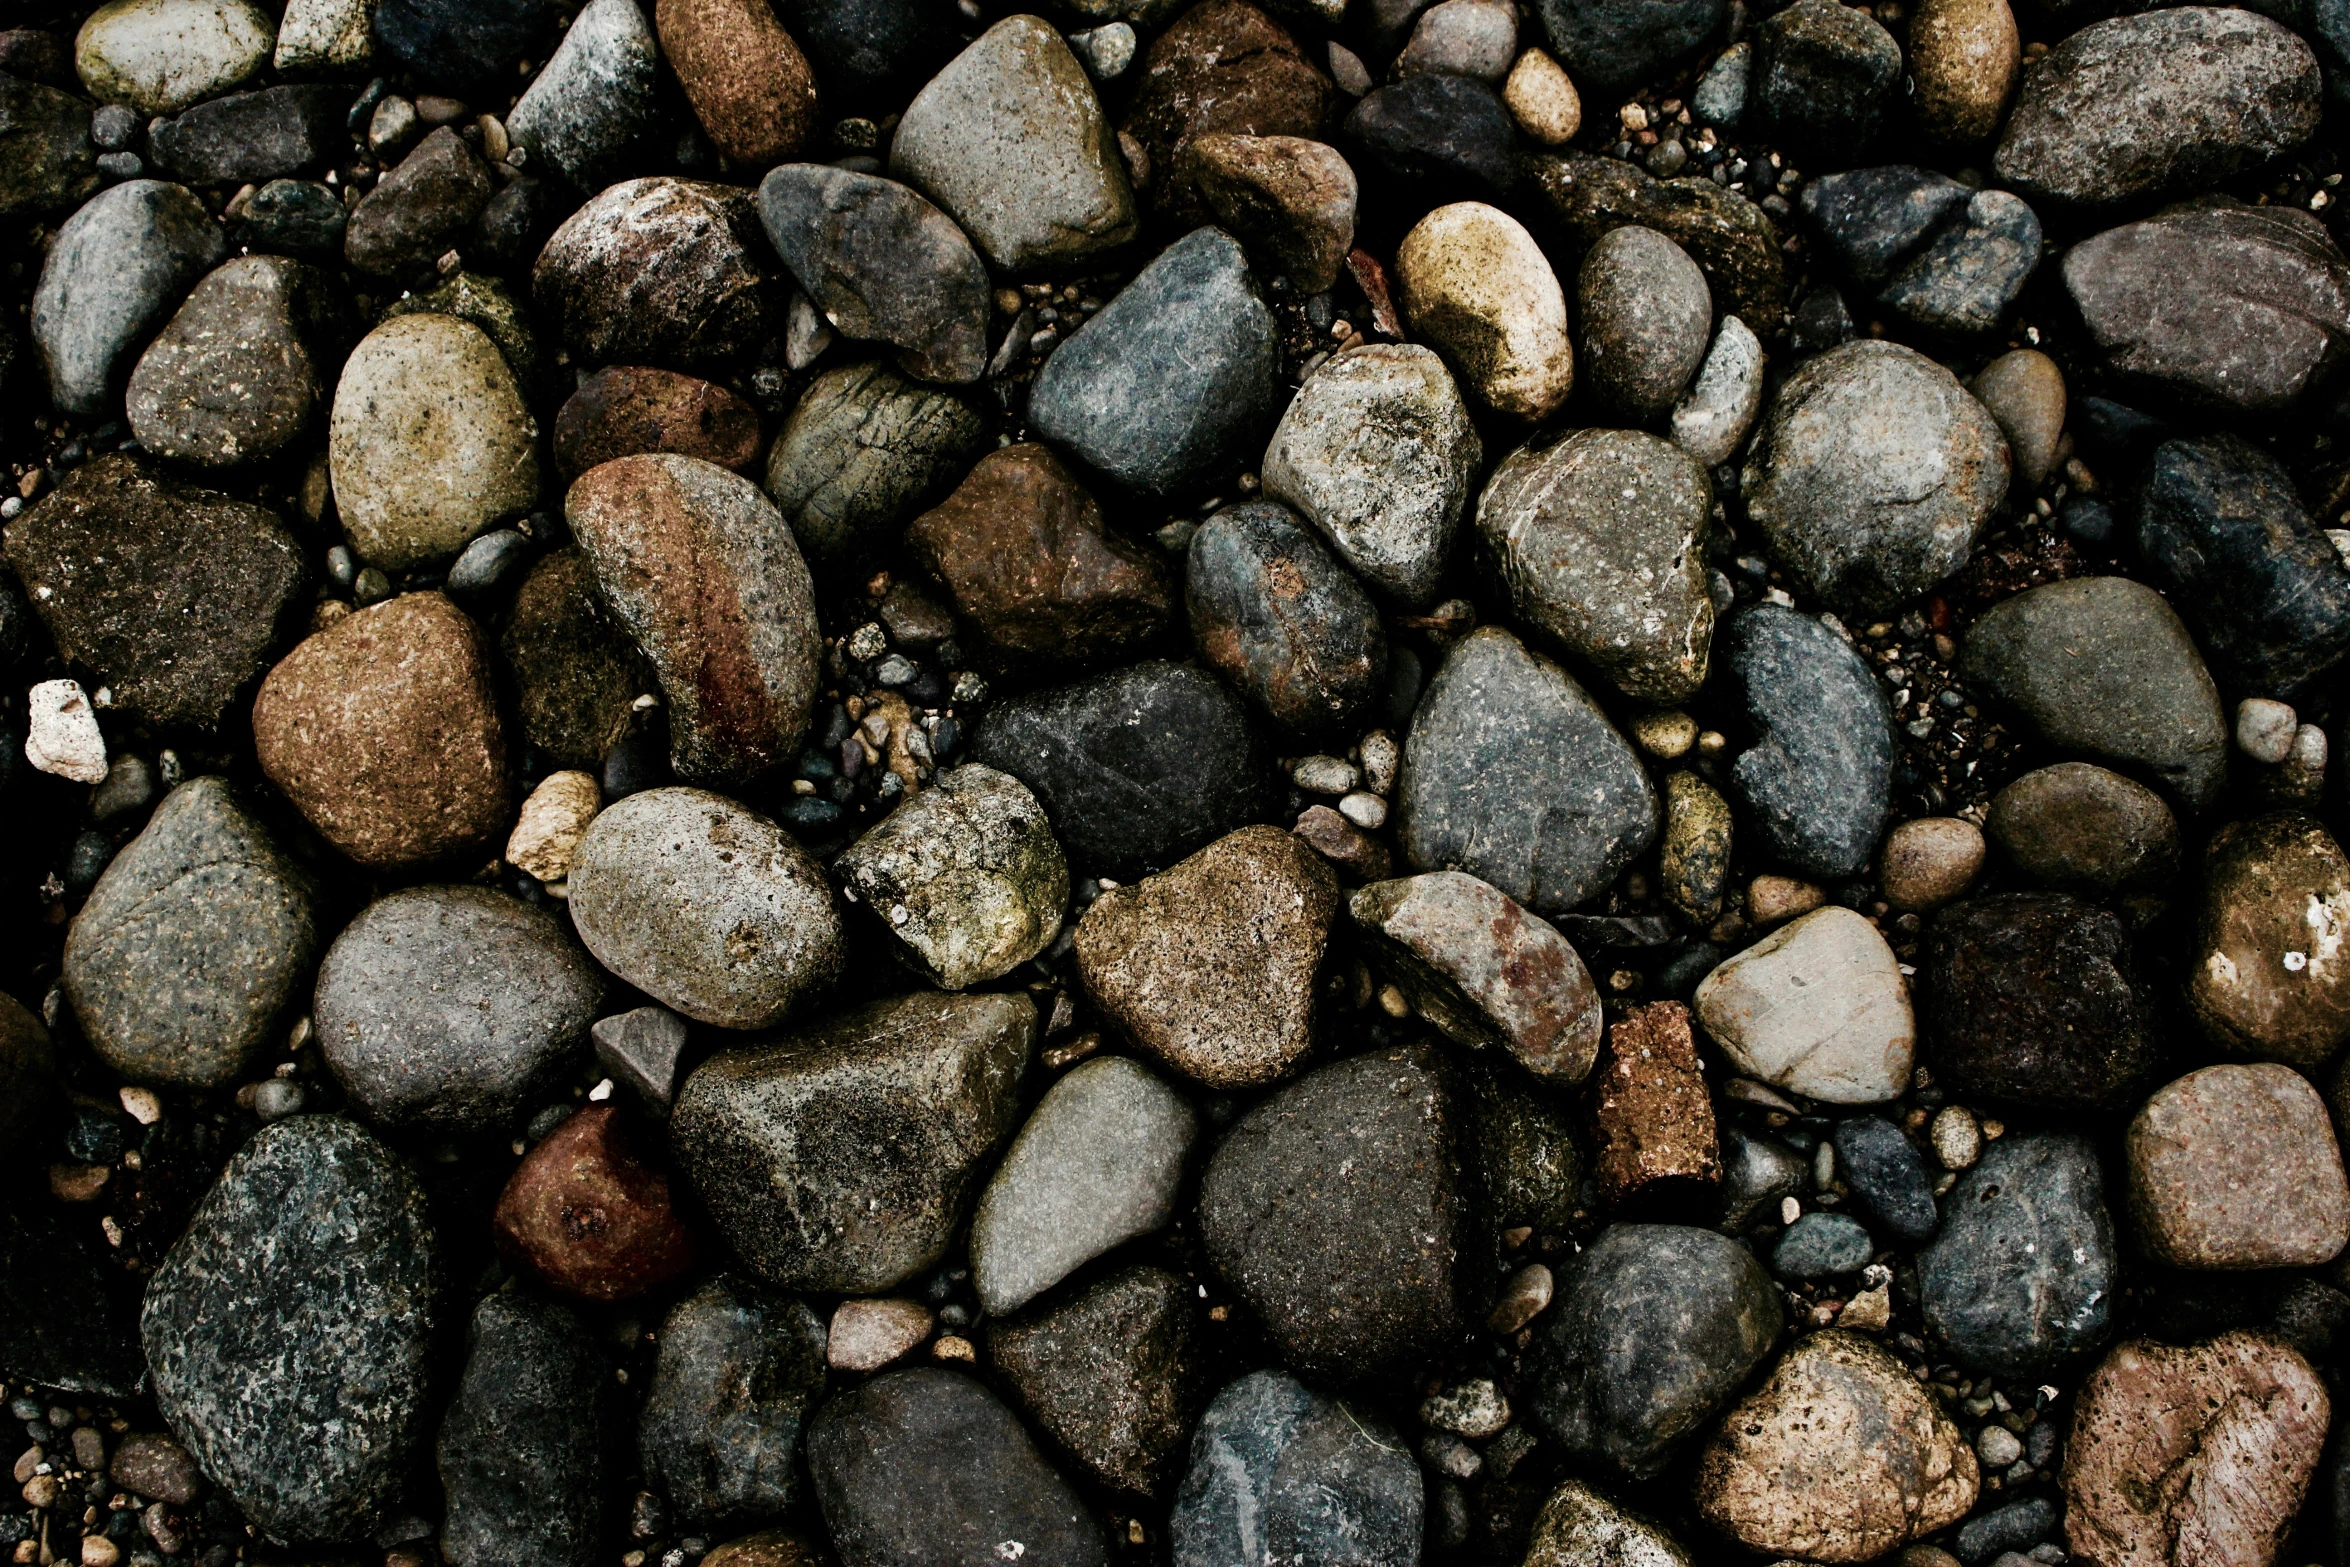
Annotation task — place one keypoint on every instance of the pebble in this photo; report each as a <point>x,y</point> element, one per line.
<point>1758,1176</point>
<point>2265,980</point>
<point>640,1049</point>
<point>1822,1245</point>
<point>1113,1373</point>
<point>2023,1277</point>
<point>1220,68</point>
<point>1928,861</point>
<point>1289,199</point>
<point>2265,729</point>
<point>588,1216</point>
<point>1105,52</point>
<point>114,271</point>
<point>554,818</point>
<point>1613,45</point>
<point>325,35</point>
<point>1839,1455</point>
<point>1771,900</point>
<point>661,271</point>
<point>2235,1166</point>
<point>316,1226</point>
<point>251,137</point>
<point>1887,1176</point>
<point>240,372</point>
<point>869,1334</point>
<point>160,56</point>
<point>841,1158</point>
<point>1646,317</point>
<point>576,673</point>
<point>707,907</point>
<point>1496,731</point>
<point>1463,38</point>
<point>750,86</point>
<point>1378,452</point>
<point>1965,56</point>
<point>1653,1139</point>
<point>418,211</point>
<point>628,409</point>
<point>1653,1329</point>
<point>1818,779</point>
<point>862,452</point>
<point>1594,535</point>
<point>1282,1472</point>
<point>735,1377</point>
<point>593,102</point>
<point>1435,135</point>
<point>1578,1525</point>
<point>1957,1137</point>
<point>1473,962</point>
<point>1542,98</point>
<point>522,1447</point>
<point>1097,1164</point>
<point>1208,966</point>
<point>1711,419</point>
<point>1693,863</point>
<point>1274,613</point>
<point>153,1465</point>
<point>1481,292</point>
<point>1732,241</point>
<point>193,945</point>
<point>2023,390</point>
<point>1824,76</point>
<point>1818,1008</point>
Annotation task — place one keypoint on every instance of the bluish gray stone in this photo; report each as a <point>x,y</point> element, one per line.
<point>2024,1275</point>
<point>1818,780</point>
<point>1277,615</point>
<point>1173,381</point>
<point>1967,279</point>
<point>1719,98</point>
<point>1887,1175</point>
<point>1871,219</point>
<point>1820,1245</point>
<point>1284,1476</point>
<point>114,272</point>
<point>593,103</point>
<point>738,1368</point>
<point>522,1448</point>
<point>2016,1527</point>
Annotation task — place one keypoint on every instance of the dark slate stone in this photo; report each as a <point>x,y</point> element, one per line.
<point>1822,1245</point>
<point>1334,1210</point>
<point>1818,778</point>
<point>1283,1474</point>
<point>113,273</point>
<point>1730,239</point>
<point>1888,1176</point>
<point>1446,136</point>
<point>2223,533</point>
<point>462,45</point>
<point>487,567</point>
<point>298,218</point>
<point>720,1434</point>
<point>510,230</point>
<point>1277,614</point>
<point>289,1333</point>
<point>50,165</point>
<point>865,48</point>
<point>420,210</point>
<point>2023,1277</point>
<point>926,1468</point>
<point>2032,998</point>
<point>1523,1142</point>
<point>1757,1173</point>
<point>576,673</point>
<point>1824,75</point>
<point>253,136</point>
<point>1967,279</point>
<point>1871,219</point>
<point>1612,45</point>
<point>522,1457</point>
<point>61,1326</point>
<point>861,453</point>
<point>1513,774</point>
<point>1137,767</point>
<point>1651,1330</point>
<point>2016,1527</point>
<point>1174,380</point>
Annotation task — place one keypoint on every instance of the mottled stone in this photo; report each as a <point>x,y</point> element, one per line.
<point>630,409</point>
<point>736,1373</point>
<point>591,106</point>
<point>240,372</point>
<point>662,271</point>
<point>1282,1473</point>
<point>1652,1125</point>
<point>1274,612</point>
<point>1645,316</point>
<point>1964,56</point>
<point>159,56</point>
<point>1579,1526</point>
<point>1291,200</point>
<point>1481,293</point>
<point>2236,1166</point>
<point>2023,1277</point>
<point>1818,1007</point>
<point>883,265</point>
<point>1818,779</point>
<point>252,137</point>
<point>1221,68</point>
<point>1732,242</point>
<point>748,82</point>
<point>522,1447</point>
<point>862,452</point>
<point>1693,861</point>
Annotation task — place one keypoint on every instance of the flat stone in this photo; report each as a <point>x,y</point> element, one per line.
<point>1481,293</point>
<point>47,164</point>
<point>863,451</point>
<point>1818,1008</point>
<point>1281,1472</point>
<point>1646,314</point>
<point>576,673</point>
<point>589,1216</point>
<point>2022,1279</point>
<point>2235,1166</point>
<point>1728,236</point>
<point>1817,782</point>
<point>1579,1525</point>
<point>423,207</point>
<point>1290,199</point>
<point>160,56</point>
<point>665,272</point>
<point>252,137</point>
<point>2267,977</point>
<point>1274,612</point>
<point>749,84</point>
<point>522,1448</point>
<point>883,265</point>
<point>737,1372</point>
<point>1652,1125</point>
<point>113,272</point>
<point>629,409</point>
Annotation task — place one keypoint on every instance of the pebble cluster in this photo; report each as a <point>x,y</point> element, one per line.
<point>1260,783</point>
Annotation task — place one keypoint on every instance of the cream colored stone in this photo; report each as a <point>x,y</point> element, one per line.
<point>62,737</point>
<point>1773,900</point>
<point>868,1334</point>
<point>553,820</point>
<point>1478,290</point>
<point>160,56</point>
<point>326,35</point>
<point>1818,1008</point>
<point>1542,99</point>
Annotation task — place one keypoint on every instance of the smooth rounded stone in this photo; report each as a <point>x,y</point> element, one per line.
<point>593,102</point>
<point>172,596</point>
<point>1012,142</point>
<point>733,1381</point>
<point>1818,1008</point>
<point>1112,1373</point>
<point>2179,100</point>
<point>2034,998</point>
<point>1137,767</point>
<point>1274,612</point>
<point>1929,861</point>
<point>703,575</point>
<point>2023,1277</point>
<point>863,451</point>
<point>424,207</point>
<point>1840,1456</point>
<point>743,74</point>
<point>1874,474</point>
<point>661,271</point>
<point>1035,571</point>
<point>1646,314</point>
<point>160,56</point>
<point>1964,56</point>
<point>883,265</point>
<point>1613,45</point>
<point>874,48</point>
<point>2236,309</point>
<point>2223,533</point>
<point>1578,1526</point>
<point>1222,67</point>
<point>1500,735</point>
<point>1822,1245</point>
<point>868,1334</point>
<point>239,374</point>
<point>1730,239</point>
<point>1485,972</point>
<point>629,409</point>
<point>840,1157</point>
<point>2200,1453</point>
<point>925,1466</point>
<point>1970,274</point>
<point>316,1234</point>
<point>1542,98</point>
<point>1436,135</point>
<point>522,1448</point>
<point>2023,390</point>
<point>586,1214</point>
<point>1174,379</point>
<point>1209,966</point>
<point>2266,979</point>
<point>2235,1166</point>
<point>1596,538</point>
<point>1098,1164</point>
<point>1824,76</point>
<point>1711,419</point>
<point>1378,452</point>
<point>1334,1210</point>
<point>2265,729</point>
<point>1283,1473</point>
<point>27,1067</point>
<point>192,944</point>
<point>706,906</point>
<point>431,441</point>
<point>1818,779</point>
<point>450,1006</point>
<point>576,673</point>
<point>47,164</point>
<point>1289,199</point>
<point>383,730</point>
<point>153,1465</point>
<point>2079,828</point>
<point>1693,863</point>
<point>252,137</point>
<point>1888,1177</point>
<point>460,45</point>
<point>2102,667</point>
<point>113,272</point>
<point>1481,293</point>
<point>1652,1329</point>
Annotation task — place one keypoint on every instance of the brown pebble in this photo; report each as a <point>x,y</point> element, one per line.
<point>627,409</point>
<point>156,1467</point>
<point>1653,1138</point>
<point>767,1548</point>
<point>2236,1166</point>
<point>1358,856</point>
<point>587,1215</point>
<point>78,1182</point>
<point>868,1334</point>
<point>1773,900</point>
<point>748,82</point>
<point>1964,56</point>
<point>1522,1300</point>
<point>1928,862</point>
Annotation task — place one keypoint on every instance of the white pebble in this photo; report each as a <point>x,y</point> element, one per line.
<point>63,736</point>
<point>1324,775</point>
<point>1958,1141</point>
<point>1365,810</point>
<point>2265,729</point>
<point>1382,758</point>
<point>141,1105</point>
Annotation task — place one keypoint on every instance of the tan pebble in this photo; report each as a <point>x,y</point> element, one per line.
<point>868,1334</point>
<point>2024,391</point>
<point>1542,99</point>
<point>1669,735</point>
<point>1479,291</point>
<point>1930,861</point>
<point>1869,1312</point>
<point>1527,1294</point>
<point>951,1346</point>
<point>1771,900</point>
<point>1957,1139</point>
<point>1964,56</point>
<point>141,1105</point>
<point>553,820</point>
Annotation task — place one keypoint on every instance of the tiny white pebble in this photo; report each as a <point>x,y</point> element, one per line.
<point>601,1092</point>
<point>62,735</point>
<point>1789,1210</point>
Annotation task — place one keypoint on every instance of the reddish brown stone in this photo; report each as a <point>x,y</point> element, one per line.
<point>156,1467</point>
<point>383,730</point>
<point>1030,563</point>
<point>1652,1123</point>
<point>747,80</point>
<point>1224,67</point>
<point>1358,856</point>
<point>588,1216</point>
<point>630,408</point>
